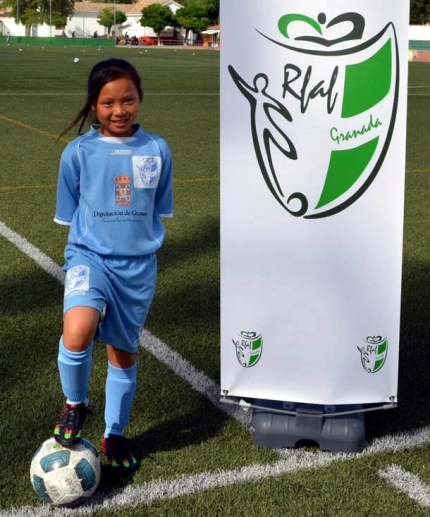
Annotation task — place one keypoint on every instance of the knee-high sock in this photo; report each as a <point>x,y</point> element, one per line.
<point>120,391</point>
<point>75,370</point>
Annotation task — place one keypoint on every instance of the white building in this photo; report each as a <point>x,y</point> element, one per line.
<point>84,21</point>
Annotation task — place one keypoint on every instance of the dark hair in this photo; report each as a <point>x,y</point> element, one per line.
<point>102,73</point>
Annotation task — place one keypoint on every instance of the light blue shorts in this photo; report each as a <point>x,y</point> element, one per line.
<point>120,288</point>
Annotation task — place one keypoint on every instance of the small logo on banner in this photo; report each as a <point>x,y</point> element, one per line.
<point>322,133</point>
<point>77,281</point>
<point>146,171</point>
<point>249,347</point>
<point>373,353</point>
<point>123,190</point>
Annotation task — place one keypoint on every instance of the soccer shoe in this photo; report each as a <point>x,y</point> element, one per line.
<point>68,431</point>
<point>116,449</point>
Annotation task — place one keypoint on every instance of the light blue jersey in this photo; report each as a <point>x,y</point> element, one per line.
<point>113,192</point>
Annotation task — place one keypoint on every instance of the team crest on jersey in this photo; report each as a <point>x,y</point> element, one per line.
<point>77,281</point>
<point>123,190</point>
<point>349,82</point>
<point>146,171</point>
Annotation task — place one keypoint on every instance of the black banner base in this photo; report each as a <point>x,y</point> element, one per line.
<point>310,425</point>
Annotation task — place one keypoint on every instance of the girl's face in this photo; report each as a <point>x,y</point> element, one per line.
<point>117,107</point>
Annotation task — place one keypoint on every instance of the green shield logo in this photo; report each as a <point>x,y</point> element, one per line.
<point>373,353</point>
<point>249,348</point>
<point>321,139</point>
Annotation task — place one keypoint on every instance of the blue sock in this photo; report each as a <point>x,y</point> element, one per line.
<point>75,369</point>
<point>120,390</point>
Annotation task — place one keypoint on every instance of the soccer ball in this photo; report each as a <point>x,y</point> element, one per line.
<point>65,476</point>
<point>76,60</point>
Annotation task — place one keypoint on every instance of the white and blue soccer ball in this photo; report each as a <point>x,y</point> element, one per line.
<point>76,60</point>
<point>65,476</point>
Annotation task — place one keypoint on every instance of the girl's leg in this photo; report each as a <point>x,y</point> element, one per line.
<point>75,353</point>
<point>74,364</point>
<point>80,325</point>
<point>120,391</point>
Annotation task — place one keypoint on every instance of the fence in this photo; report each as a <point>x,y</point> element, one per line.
<point>69,42</point>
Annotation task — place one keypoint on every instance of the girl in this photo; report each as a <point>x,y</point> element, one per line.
<point>115,184</point>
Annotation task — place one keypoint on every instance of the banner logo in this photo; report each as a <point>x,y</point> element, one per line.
<point>249,348</point>
<point>374,353</point>
<point>322,124</point>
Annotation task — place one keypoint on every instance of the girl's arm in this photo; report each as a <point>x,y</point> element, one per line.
<point>164,195</point>
<point>67,188</point>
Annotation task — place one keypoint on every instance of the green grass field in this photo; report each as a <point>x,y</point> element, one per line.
<point>196,460</point>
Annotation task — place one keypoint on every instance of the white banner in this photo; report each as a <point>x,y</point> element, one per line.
<point>313,135</point>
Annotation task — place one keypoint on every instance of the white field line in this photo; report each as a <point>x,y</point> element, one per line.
<point>181,367</point>
<point>154,94</point>
<point>31,251</point>
<point>82,94</point>
<point>133,495</point>
<point>147,493</point>
<point>195,378</point>
<point>173,94</point>
<point>408,483</point>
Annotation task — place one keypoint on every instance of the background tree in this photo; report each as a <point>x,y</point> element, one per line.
<point>32,12</point>
<point>108,17</point>
<point>212,11</point>
<point>158,17</point>
<point>192,18</point>
<point>211,8</point>
<point>61,10</point>
<point>419,12</point>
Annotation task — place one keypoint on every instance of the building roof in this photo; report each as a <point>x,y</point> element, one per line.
<point>96,7</point>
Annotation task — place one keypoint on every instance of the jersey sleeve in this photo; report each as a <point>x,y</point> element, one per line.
<point>68,186</point>
<point>164,195</point>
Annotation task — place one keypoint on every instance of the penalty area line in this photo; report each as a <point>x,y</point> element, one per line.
<point>180,366</point>
<point>195,378</point>
<point>32,128</point>
<point>82,94</point>
<point>32,252</point>
<point>176,181</point>
<point>408,483</point>
<point>294,460</point>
